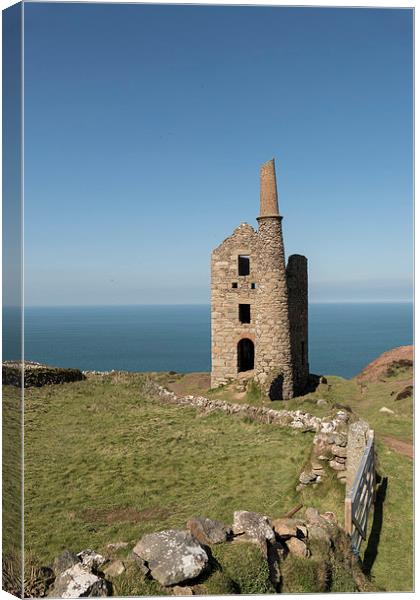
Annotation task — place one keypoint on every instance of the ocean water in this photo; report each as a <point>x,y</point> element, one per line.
<point>343,338</point>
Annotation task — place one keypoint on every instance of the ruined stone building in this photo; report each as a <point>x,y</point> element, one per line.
<point>259,306</point>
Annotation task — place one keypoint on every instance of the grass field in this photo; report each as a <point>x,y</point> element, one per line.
<point>105,463</point>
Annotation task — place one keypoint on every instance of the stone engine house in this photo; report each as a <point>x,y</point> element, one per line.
<point>259,306</point>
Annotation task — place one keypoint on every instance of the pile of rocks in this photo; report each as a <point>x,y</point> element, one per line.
<point>177,557</point>
<point>79,575</point>
<point>181,559</point>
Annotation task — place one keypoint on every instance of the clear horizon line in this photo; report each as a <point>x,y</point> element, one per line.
<point>400,301</point>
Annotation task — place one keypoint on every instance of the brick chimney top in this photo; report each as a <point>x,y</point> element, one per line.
<point>268,190</point>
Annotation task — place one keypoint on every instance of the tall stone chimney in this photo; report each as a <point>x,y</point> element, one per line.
<point>273,342</point>
<point>269,206</point>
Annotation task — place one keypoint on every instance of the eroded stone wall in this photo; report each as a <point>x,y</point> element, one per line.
<point>226,329</point>
<point>297,285</point>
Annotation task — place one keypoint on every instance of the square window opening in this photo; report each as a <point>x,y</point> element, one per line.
<point>235,284</point>
<point>245,313</point>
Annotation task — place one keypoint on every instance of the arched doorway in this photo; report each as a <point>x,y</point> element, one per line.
<point>245,355</point>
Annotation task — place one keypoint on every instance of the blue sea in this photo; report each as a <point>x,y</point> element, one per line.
<point>343,338</point>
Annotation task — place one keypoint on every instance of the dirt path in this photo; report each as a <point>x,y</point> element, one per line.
<point>404,448</point>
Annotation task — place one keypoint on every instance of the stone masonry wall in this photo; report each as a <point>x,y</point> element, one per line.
<point>297,284</point>
<point>273,357</point>
<point>226,329</point>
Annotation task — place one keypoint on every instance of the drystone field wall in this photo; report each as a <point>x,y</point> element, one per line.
<point>329,443</point>
<point>37,375</point>
<point>227,330</point>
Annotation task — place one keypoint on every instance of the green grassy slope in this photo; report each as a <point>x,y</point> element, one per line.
<point>106,463</point>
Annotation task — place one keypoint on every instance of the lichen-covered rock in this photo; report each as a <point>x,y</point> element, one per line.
<point>64,561</point>
<point>288,527</point>
<point>339,451</point>
<point>337,465</point>
<point>307,477</point>
<point>173,556</point>
<point>91,559</point>
<point>254,526</point>
<point>285,527</point>
<point>338,439</point>
<point>78,582</point>
<point>207,531</point>
<point>298,547</point>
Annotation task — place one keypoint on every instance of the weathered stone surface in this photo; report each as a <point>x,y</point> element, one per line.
<point>321,402</point>
<point>336,465</point>
<point>288,527</point>
<point>91,559</point>
<point>329,516</point>
<point>77,582</point>
<point>207,531</point>
<point>64,561</point>
<point>254,526</point>
<point>182,590</point>
<point>337,438</point>
<point>285,527</point>
<point>307,478</point>
<point>173,556</point>
<point>115,568</point>
<point>358,433</point>
<point>339,451</point>
<point>298,547</point>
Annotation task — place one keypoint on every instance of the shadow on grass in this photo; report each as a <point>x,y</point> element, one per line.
<point>371,551</point>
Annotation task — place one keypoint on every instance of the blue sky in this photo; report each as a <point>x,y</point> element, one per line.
<point>145,127</point>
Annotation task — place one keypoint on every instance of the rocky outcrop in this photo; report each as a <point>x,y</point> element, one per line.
<point>387,364</point>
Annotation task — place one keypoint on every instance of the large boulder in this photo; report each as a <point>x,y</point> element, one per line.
<point>253,527</point>
<point>207,531</point>
<point>64,561</point>
<point>78,582</point>
<point>172,556</point>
